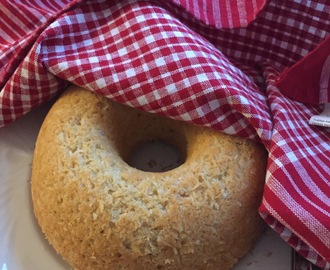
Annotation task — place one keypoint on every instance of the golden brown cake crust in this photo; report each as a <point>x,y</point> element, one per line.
<point>100,213</point>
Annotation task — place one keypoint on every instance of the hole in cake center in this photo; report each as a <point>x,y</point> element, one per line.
<point>155,156</point>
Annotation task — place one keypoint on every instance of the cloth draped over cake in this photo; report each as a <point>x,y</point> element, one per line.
<point>256,69</point>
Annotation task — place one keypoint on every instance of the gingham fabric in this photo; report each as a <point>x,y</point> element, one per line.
<point>316,68</point>
<point>227,65</point>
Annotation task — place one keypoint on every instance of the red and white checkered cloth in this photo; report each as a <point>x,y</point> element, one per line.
<point>251,68</point>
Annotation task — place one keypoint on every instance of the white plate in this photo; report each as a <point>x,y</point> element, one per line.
<point>22,245</point>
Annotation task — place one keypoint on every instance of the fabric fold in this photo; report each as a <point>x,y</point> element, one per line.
<point>301,81</point>
<point>223,14</point>
<point>176,60</point>
<point>296,200</point>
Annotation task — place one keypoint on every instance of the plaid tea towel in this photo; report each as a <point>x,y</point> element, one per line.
<point>256,69</point>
